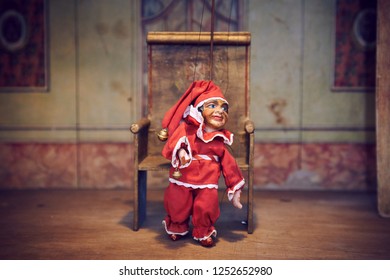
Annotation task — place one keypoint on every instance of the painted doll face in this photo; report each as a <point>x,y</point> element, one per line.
<point>215,114</point>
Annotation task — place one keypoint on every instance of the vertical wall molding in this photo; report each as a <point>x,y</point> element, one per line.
<point>136,52</point>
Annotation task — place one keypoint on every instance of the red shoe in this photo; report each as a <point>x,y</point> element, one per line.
<point>175,237</point>
<point>208,242</point>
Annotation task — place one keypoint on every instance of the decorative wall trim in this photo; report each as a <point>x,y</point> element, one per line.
<point>63,128</point>
<point>330,128</point>
<point>316,166</point>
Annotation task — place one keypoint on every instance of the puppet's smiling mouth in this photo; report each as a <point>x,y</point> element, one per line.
<point>218,118</point>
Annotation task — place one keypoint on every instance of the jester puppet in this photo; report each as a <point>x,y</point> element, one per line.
<point>197,149</point>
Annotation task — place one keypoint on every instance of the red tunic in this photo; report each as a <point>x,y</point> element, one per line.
<point>208,157</point>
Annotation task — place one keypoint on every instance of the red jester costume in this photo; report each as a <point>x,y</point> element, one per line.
<point>197,148</point>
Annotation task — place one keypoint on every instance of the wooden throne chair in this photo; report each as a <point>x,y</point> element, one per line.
<point>175,60</point>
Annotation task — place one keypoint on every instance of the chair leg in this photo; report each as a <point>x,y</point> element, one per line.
<point>250,209</point>
<point>139,213</point>
<point>250,202</point>
<point>142,197</point>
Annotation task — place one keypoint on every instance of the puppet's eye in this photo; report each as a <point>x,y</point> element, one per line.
<point>211,106</point>
<point>225,108</point>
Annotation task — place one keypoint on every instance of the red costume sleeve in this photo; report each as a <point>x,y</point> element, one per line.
<point>177,140</point>
<point>234,179</point>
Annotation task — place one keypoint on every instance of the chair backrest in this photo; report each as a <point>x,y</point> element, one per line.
<point>176,59</point>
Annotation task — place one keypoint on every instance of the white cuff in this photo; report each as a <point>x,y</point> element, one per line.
<point>236,188</point>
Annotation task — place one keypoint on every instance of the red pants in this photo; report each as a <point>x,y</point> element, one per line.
<point>182,202</point>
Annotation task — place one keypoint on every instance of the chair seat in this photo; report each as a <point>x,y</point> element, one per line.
<point>159,163</point>
<point>154,163</point>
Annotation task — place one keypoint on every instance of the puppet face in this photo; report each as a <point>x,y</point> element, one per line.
<point>215,114</point>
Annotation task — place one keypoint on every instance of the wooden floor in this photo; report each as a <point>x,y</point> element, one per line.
<point>91,224</point>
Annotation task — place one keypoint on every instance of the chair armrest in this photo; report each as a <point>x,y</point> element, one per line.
<point>140,125</point>
<point>249,126</point>
<point>140,131</point>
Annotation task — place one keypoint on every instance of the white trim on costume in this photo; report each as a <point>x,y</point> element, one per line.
<point>206,157</point>
<point>226,140</point>
<point>171,232</point>
<point>188,185</point>
<point>211,98</point>
<point>213,233</point>
<point>175,161</point>
<point>236,188</point>
<point>193,112</point>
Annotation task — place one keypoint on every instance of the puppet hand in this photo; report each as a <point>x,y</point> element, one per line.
<point>183,156</point>
<point>236,199</point>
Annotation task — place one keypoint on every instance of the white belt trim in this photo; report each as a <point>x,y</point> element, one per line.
<point>206,157</point>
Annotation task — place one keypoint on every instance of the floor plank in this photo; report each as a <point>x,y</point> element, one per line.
<point>96,224</point>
